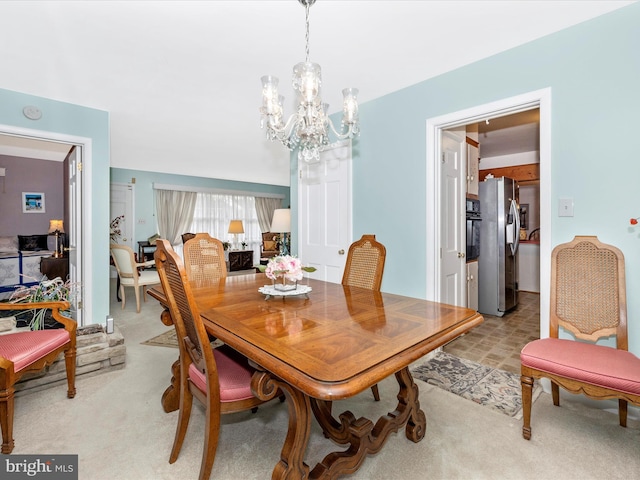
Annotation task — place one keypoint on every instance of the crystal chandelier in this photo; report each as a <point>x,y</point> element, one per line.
<point>308,128</point>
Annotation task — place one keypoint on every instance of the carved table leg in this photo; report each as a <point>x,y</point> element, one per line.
<point>363,436</point>
<point>291,465</point>
<point>171,396</point>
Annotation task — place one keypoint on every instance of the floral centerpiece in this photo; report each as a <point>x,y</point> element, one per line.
<point>285,271</point>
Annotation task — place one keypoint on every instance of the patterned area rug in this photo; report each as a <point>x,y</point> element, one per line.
<point>170,339</point>
<point>496,389</point>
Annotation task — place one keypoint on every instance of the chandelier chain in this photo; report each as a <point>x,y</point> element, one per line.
<point>306,8</point>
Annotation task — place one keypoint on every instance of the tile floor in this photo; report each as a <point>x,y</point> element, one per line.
<point>498,340</point>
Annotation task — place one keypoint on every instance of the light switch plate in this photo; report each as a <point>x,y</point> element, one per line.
<point>565,207</point>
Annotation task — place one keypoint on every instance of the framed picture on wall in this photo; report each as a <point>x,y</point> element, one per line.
<point>33,202</point>
<point>524,215</point>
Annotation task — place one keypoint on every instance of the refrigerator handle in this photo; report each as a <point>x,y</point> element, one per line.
<point>515,211</point>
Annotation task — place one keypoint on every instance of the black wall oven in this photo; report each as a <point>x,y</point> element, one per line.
<point>473,229</point>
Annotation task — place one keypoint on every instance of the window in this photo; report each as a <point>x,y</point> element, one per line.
<point>214,211</point>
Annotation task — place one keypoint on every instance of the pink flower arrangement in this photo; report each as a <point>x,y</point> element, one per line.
<point>284,266</point>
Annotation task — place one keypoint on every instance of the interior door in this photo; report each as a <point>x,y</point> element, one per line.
<point>453,286</point>
<point>122,204</point>
<point>324,213</point>
<point>74,230</point>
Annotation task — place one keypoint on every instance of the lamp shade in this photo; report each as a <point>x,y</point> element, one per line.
<point>281,222</point>
<point>235,226</point>
<point>56,226</point>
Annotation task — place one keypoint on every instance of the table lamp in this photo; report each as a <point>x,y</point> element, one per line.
<point>56,227</point>
<point>281,223</point>
<point>235,227</point>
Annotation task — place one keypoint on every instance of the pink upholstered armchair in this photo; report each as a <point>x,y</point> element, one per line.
<point>29,351</point>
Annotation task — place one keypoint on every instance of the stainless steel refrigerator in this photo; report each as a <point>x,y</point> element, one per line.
<point>499,239</point>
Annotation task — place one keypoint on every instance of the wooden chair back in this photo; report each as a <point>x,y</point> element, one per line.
<point>124,260</point>
<point>588,292</point>
<point>365,264</point>
<point>364,269</point>
<point>204,373</point>
<point>204,259</point>
<point>192,336</point>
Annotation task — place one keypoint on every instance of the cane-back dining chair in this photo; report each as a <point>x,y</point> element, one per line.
<point>219,378</point>
<point>364,269</point>
<point>588,301</point>
<point>132,273</point>
<point>31,351</point>
<point>204,259</point>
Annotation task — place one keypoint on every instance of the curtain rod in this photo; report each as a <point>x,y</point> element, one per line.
<point>221,191</point>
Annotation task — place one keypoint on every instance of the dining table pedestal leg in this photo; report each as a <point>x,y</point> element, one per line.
<point>361,434</point>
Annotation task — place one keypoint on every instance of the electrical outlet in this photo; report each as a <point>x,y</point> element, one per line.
<point>109,328</point>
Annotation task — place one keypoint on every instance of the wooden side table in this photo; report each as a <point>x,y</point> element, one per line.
<point>146,251</point>
<point>240,260</point>
<point>55,267</point>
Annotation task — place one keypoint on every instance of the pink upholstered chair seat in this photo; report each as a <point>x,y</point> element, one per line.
<point>595,364</point>
<point>25,348</point>
<point>234,378</point>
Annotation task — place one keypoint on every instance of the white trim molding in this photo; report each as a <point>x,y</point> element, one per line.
<point>537,99</point>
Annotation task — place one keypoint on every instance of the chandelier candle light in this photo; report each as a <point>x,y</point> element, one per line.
<point>308,128</point>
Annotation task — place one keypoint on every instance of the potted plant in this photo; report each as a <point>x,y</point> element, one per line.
<point>45,291</point>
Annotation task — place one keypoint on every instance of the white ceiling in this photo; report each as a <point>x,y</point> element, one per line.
<point>181,79</point>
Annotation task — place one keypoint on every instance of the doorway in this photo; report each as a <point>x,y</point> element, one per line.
<point>435,126</point>
<point>78,231</point>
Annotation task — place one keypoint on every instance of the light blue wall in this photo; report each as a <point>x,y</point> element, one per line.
<point>75,120</point>
<point>144,199</point>
<point>593,70</point>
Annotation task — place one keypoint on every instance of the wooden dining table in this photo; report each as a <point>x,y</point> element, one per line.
<point>326,345</point>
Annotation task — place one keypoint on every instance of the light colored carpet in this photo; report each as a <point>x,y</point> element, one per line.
<point>118,428</point>
<point>484,385</point>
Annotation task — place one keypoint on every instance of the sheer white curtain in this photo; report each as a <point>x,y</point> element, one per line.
<point>174,210</point>
<point>214,211</point>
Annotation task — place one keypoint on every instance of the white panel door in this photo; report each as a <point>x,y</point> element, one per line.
<point>453,269</point>
<point>122,204</point>
<point>324,213</point>
<point>74,231</point>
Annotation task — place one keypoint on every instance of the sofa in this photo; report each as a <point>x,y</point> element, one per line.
<point>20,257</point>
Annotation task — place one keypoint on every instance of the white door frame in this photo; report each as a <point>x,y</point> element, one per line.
<point>537,99</point>
<point>84,145</point>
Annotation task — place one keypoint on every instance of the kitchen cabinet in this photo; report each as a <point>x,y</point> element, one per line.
<point>472,285</point>
<point>473,166</point>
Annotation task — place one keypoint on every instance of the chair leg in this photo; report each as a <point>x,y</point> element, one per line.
<point>622,412</point>
<point>376,393</point>
<point>70,364</point>
<point>555,393</point>
<point>124,299</point>
<point>137,289</point>
<point>186,401</point>
<point>6,419</point>
<point>527,389</point>
<point>211,436</point>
